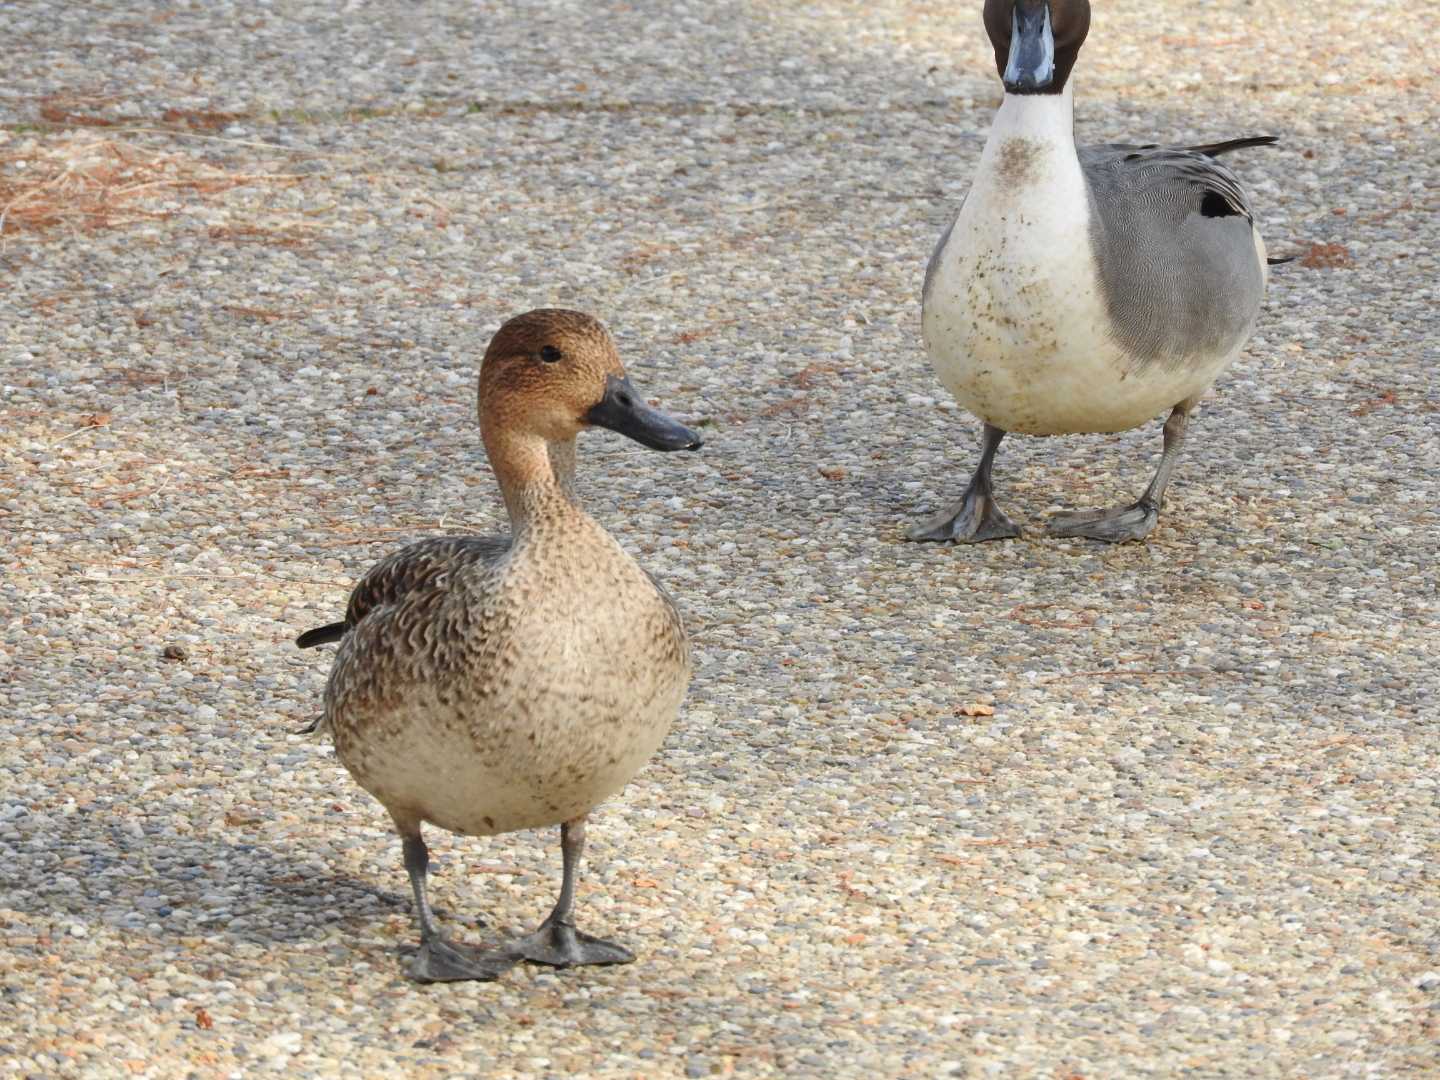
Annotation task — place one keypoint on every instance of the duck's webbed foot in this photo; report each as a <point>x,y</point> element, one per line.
<point>1133,522</point>
<point>561,945</point>
<point>1136,521</point>
<point>557,942</point>
<point>441,960</point>
<point>974,519</point>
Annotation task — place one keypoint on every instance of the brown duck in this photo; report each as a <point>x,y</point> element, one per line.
<point>488,684</point>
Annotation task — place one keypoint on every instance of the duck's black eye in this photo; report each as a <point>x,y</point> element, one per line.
<point>550,354</point>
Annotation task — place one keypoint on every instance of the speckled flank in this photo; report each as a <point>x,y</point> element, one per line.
<point>522,692</point>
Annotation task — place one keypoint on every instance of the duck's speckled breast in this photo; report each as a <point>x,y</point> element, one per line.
<point>514,696</point>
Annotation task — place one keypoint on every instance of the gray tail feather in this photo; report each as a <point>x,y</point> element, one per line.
<point>1218,148</point>
<point>322,635</point>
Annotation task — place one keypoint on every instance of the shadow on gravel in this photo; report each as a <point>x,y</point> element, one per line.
<point>88,869</point>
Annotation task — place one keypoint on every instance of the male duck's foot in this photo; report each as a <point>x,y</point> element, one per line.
<point>561,945</point>
<point>973,519</point>
<point>443,961</point>
<point>1133,522</point>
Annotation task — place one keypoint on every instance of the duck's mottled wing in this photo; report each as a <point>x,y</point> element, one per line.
<point>415,650</point>
<point>1174,241</point>
<point>420,565</point>
<point>675,623</point>
<point>417,566</point>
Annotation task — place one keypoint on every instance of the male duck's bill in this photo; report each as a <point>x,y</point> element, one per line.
<point>622,410</point>
<point>1031,63</point>
<point>1036,42</point>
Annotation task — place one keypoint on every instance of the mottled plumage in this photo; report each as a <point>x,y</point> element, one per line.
<point>417,565</point>
<point>487,684</point>
<point>516,685</point>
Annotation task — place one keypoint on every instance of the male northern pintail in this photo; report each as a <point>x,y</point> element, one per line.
<point>1084,290</point>
<point>486,685</point>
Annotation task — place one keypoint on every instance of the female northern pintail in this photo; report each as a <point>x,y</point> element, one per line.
<point>493,684</point>
<point>1083,290</point>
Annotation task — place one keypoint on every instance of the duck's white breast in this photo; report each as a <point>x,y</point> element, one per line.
<point>1014,318</point>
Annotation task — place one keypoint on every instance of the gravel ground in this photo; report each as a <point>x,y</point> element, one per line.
<point>1031,809</point>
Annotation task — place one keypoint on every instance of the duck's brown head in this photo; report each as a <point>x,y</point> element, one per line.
<point>551,373</point>
<point>1036,41</point>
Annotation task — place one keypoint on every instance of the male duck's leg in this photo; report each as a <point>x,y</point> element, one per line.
<point>441,960</point>
<point>557,942</point>
<point>975,517</point>
<point>1135,521</point>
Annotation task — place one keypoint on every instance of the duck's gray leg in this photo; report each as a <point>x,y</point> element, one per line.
<point>975,517</point>
<point>439,959</point>
<point>557,942</point>
<point>1133,522</point>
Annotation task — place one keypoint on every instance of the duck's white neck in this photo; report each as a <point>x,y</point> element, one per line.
<point>1049,117</point>
<point>1029,175</point>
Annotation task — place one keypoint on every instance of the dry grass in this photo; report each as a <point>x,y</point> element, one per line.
<point>1327,257</point>
<point>86,181</point>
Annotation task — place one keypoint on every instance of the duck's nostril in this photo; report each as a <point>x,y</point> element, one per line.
<point>625,400</point>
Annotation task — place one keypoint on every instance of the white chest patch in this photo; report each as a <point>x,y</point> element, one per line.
<point>1014,320</point>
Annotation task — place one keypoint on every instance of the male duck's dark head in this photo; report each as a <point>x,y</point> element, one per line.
<point>1036,42</point>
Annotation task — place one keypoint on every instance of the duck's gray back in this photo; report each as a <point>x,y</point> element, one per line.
<point>1173,235</point>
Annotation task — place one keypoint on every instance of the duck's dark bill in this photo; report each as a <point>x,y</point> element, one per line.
<point>1031,66</point>
<point>625,411</point>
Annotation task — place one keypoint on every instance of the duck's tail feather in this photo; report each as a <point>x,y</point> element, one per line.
<point>317,724</point>
<point>1218,148</point>
<point>1282,259</point>
<point>322,635</point>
